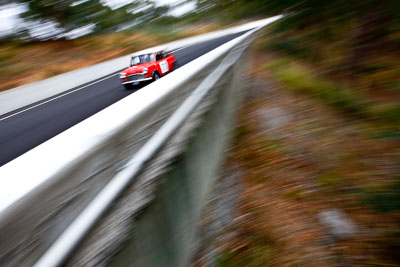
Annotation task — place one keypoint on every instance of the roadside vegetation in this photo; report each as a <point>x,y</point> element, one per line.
<point>319,181</point>
<point>317,144</point>
<point>316,151</point>
<point>23,62</point>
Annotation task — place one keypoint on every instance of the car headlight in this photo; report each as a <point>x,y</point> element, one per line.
<point>145,70</point>
<point>122,75</point>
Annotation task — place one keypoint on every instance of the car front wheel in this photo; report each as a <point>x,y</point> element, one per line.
<point>156,76</point>
<point>128,86</point>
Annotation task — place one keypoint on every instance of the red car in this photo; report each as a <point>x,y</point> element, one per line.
<point>146,67</point>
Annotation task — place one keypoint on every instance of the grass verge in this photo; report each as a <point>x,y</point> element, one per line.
<point>301,78</point>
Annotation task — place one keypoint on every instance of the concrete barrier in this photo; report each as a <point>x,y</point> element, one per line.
<point>126,187</point>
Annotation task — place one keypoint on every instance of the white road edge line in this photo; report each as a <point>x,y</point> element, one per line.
<point>64,94</point>
<point>173,51</point>
<point>70,92</point>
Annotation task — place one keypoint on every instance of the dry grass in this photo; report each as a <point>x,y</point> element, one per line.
<point>300,157</point>
<point>25,63</point>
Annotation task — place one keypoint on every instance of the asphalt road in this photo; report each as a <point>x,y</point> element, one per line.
<point>30,128</point>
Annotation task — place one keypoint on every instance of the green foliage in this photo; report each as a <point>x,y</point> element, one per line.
<point>7,54</point>
<point>301,80</point>
<point>356,41</point>
<point>241,132</point>
<point>300,14</point>
<point>390,113</point>
<point>164,31</point>
<point>295,194</point>
<point>68,15</point>
<point>386,200</point>
<point>388,134</point>
<point>291,45</point>
<point>330,180</point>
<point>254,256</point>
<point>64,13</point>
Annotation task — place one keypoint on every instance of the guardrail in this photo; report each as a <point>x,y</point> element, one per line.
<point>126,186</point>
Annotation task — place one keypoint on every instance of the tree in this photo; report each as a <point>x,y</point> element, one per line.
<point>68,15</point>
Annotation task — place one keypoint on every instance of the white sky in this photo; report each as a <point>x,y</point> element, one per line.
<point>183,8</point>
<point>176,12</point>
<point>9,20</point>
<point>9,17</point>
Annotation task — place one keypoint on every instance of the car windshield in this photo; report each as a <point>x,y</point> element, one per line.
<point>142,59</point>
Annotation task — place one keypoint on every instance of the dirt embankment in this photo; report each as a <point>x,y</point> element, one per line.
<point>304,185</point>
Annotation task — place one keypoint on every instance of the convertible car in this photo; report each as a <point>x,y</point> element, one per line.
<point>147,67</point>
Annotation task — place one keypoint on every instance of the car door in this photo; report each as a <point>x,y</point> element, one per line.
<point>162,63</point>
<point>171,61</point>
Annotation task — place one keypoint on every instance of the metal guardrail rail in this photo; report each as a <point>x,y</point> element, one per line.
<point>122,187</point>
